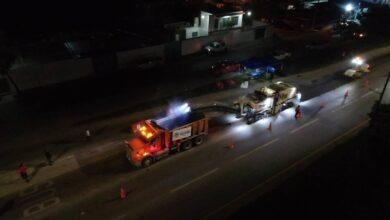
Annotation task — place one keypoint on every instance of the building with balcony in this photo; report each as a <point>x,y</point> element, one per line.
<point>214,19</point>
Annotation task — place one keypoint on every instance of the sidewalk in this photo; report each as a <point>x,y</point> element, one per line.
<point>109,144</point>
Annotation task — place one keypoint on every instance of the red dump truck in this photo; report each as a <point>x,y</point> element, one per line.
<point>154,139</point>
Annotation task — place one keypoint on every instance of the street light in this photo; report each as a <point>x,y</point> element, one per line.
<point>248,13</point>
<point>349,7</point>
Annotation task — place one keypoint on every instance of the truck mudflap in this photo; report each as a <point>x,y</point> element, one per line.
<point>128,156</point>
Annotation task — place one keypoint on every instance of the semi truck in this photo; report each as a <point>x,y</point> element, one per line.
<point>268,100</point>
<point>155,139</point>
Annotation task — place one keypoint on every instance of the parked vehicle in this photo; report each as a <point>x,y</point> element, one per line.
<point>155,139</point>
<point>215,47</point>
<point>266,67</point>
<point>281,54</point>
<point>225,67</point>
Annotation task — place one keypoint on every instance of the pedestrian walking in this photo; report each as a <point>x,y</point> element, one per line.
<point>48,157</point>
<point>23,172</point>
<point>346,94</point>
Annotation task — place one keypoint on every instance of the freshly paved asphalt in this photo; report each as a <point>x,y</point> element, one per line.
<point>206,181</point>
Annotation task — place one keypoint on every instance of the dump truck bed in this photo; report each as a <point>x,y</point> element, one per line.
<point>179,121</point>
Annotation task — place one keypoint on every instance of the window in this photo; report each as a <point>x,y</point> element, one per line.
<point>194,34</point>
<point>234,20</point>
<point>225,22</point>
<point>229,22</point>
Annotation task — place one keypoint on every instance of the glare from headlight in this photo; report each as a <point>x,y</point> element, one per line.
<point>299,96</point>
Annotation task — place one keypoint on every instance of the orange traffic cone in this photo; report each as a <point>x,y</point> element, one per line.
<point>270,126</point>
<point>122,193</point>
<point>346,94</point>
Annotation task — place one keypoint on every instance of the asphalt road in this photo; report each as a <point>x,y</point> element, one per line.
<point>209,181</point>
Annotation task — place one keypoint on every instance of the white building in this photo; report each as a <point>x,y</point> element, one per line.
<point>215,19</point>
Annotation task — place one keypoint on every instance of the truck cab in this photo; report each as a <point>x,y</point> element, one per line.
<point>148,142</point>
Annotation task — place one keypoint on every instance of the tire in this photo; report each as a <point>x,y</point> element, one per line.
<point>237,107</point>
<point>199,140</point>
<point>250,120</point>
<point>147,162</point>
<point>186,145</point>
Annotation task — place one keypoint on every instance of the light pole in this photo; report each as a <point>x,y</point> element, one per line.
<point>383,92</point>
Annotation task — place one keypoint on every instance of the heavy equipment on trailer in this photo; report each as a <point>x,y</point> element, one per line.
<point>268,100</point>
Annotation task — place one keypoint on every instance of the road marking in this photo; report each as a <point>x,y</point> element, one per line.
<point>303,126</point>
<point>194,180</point>
<point>367,94</point>
<point>256,149</point>
<point>40,206</point>
<point>270,179</point>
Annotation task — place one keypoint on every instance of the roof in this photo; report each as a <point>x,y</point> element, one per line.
<point>222,11</point>
<point>181,120</point>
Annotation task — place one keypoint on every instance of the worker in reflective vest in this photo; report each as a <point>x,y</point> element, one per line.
<point>298,112</point>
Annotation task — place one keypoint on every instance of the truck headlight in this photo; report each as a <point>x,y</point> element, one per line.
<point>299,96</point>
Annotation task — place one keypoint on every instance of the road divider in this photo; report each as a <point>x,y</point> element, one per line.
<point>367,94</point>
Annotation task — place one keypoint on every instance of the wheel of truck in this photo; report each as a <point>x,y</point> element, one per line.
<point>147,162</point>
<point>199,140</point>
<point>250,120</point>
<point>186,145</point>
<point>236,106</point>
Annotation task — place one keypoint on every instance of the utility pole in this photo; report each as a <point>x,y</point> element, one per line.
<point>382,94</point>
